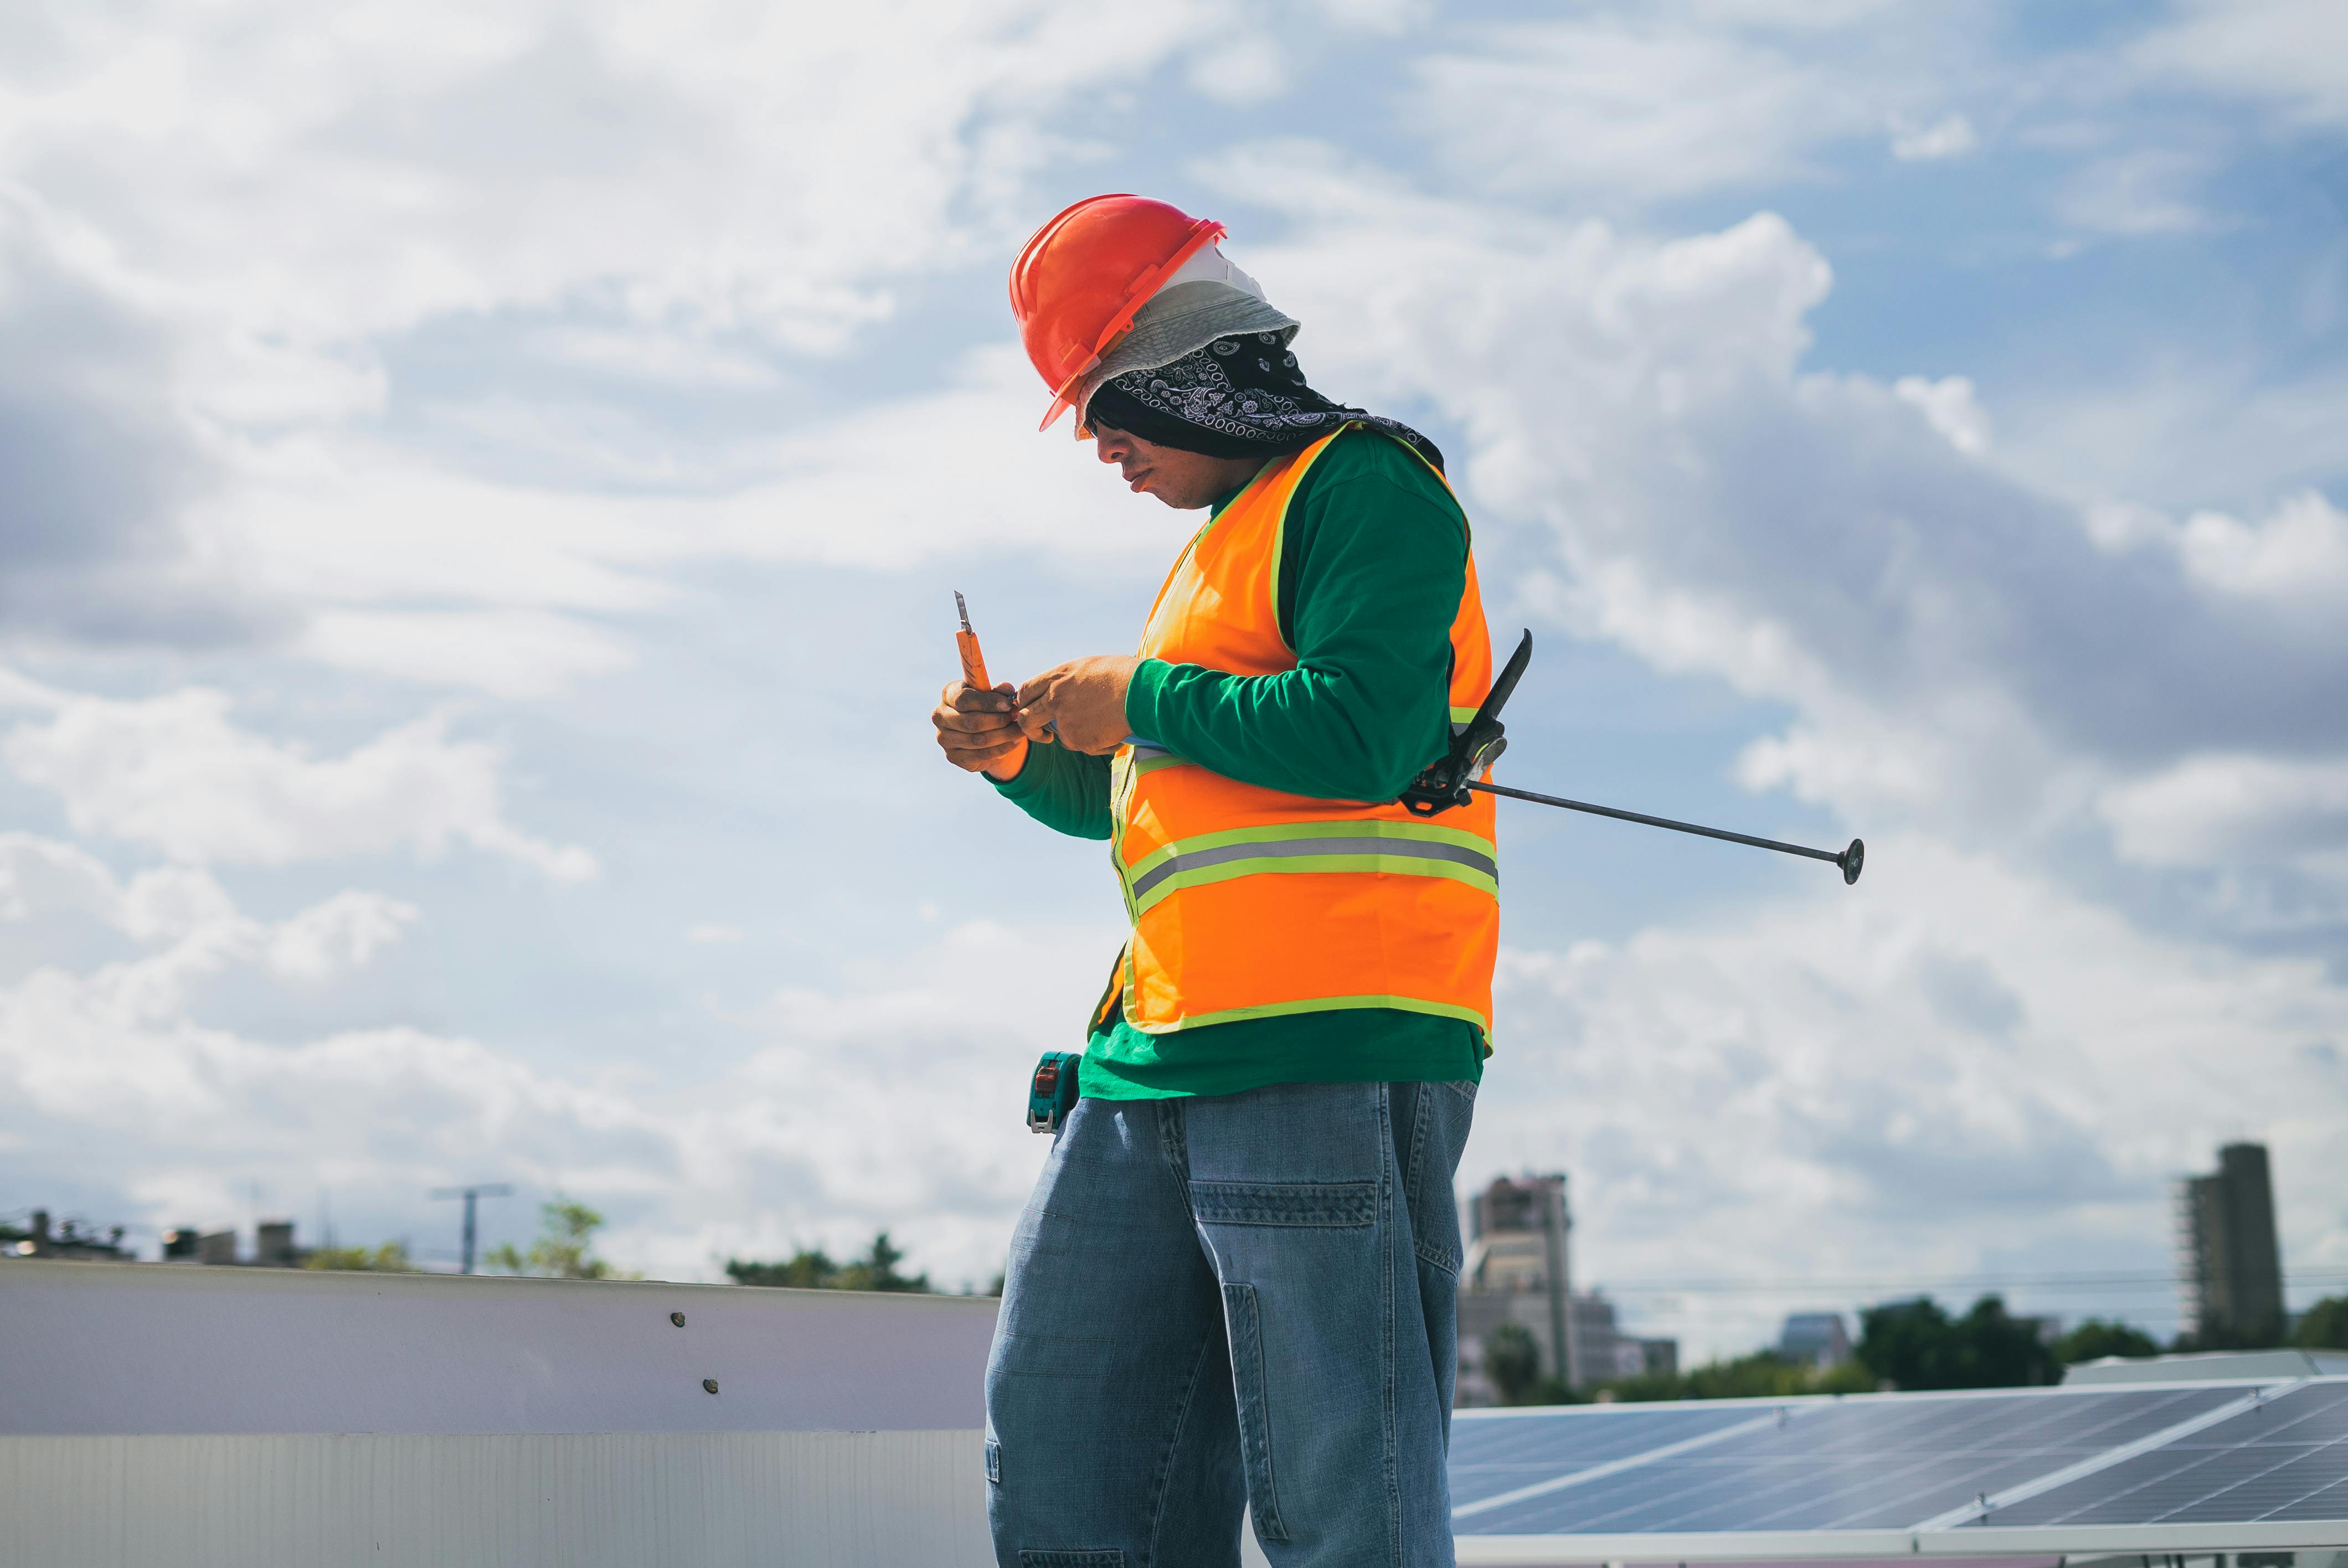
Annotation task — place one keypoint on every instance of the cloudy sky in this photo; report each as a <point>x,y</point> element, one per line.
<point>480,486</point>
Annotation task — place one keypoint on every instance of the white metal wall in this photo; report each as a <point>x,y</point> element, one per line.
<point>150,1349</point>
<point>235,1417</point>
<point>618,1500</point>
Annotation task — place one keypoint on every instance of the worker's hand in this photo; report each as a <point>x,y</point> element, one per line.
<point>978,731</point>
<point>1083,701</point>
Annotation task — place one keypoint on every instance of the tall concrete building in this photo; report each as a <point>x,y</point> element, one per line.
<point>1519,1270</point>
<point>1517,1235</point>
<point>2228,1263</point>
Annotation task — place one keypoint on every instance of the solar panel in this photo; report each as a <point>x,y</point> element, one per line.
<point>1501,1454</point>
<point>1907,1463</point>
<point>2286,1457</point>
<point>1844,1465</point>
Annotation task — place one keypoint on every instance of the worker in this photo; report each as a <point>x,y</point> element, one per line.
<point>1234,1291</point>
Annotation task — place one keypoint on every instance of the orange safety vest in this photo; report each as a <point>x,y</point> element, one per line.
<point>1250,902</point>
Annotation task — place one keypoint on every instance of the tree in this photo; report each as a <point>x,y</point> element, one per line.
<point>2268,1335</point>
<point>1915,1345</point>
<point>813,1269</point>
<point>391,1257</point>
<point>565,1247</point>
<point>1511,1361</point>
<point>803,1270</point>
<point>2095,1339</point>
<point>2324,1325</point>
<point>1763,1375</point>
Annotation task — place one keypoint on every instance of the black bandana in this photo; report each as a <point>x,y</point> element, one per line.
<point>1241,396</point>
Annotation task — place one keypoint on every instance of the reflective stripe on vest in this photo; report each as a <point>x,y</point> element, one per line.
<point>1404,848</point>
<point>1250,902</point>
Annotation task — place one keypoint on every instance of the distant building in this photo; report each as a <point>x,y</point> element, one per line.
<point>1815,1338</point>
<point>73,1239</point>
<point>272,1246</point>
<point>1517,1243</point>
<point>1519,1269</point>
<point>2229,1262</point>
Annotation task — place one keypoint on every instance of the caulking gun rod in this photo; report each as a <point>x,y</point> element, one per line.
<point>1826,855</point>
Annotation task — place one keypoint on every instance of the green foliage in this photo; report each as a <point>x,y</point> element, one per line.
<point>803,1270</point>
<point>2325,1325</point>
<point>1512,1363</point>
<point>2266,1335</point>
<point>813,1269</point>
<point>565,1247</point>
<point>1763,1375</point>
<point>1552,1391</point>
<point>2096,1338</point>
<point>391,1257</point>
<point>1915,1345</point>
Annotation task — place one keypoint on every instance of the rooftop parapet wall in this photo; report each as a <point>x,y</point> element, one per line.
<point>89,1348</point>
<point>156,1417</point>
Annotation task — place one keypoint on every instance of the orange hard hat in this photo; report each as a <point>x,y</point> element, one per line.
<point>1082,276</point>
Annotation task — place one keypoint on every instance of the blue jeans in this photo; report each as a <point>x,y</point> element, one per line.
<point>1232,1304</point>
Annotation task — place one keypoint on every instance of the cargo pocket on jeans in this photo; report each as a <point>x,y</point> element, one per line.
<point>1337,1203</point>
<point>1246,1331</point>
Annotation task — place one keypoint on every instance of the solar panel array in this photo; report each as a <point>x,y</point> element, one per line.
<point>1909,1463</point>
<point>1491,1456</point>
<point>2284,1458</point>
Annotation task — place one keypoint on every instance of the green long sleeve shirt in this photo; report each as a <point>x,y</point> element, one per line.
<point>1373,560</point>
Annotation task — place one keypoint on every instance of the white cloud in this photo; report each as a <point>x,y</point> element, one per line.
<point>1951,407</point>
<point>1645,110</point>
<point>2218,810</point>
<point>1247,67</point>
<point>189,916</point>
<point>732,164</point>
<point>2299,554</point>
<point>2150,192</point>
<point>1954,1064</point>
<point>1961,648</point>
<point>2286,53</point>
<point>331,938</point>
<point>1950,135</point>
<point>1851,1076</point>
<point>674,202</point>
<point>880,1103</point>
<point>411,570</point>
<point>38,875</point>
<point>99,456</point>
<point>173,772</point>
<point>515,653</point>
<point>2182,435</point>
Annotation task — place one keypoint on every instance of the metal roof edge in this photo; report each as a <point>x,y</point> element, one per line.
<point>79,1274</point>
<point>1798,1401</point>
<point>1989,1541</point>
<point>1810,1545</point>
<point>1544,1551</point>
